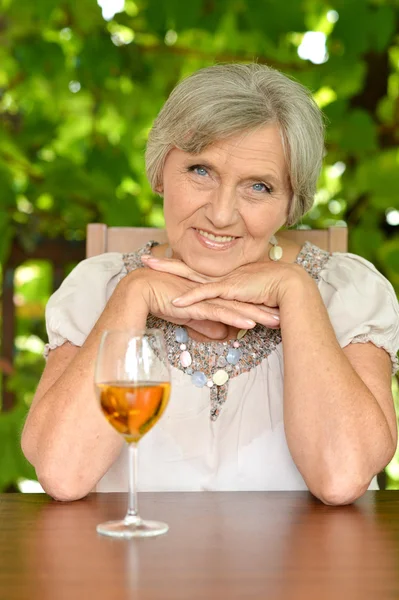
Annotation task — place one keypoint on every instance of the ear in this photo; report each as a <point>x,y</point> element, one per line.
<point>159,189</point>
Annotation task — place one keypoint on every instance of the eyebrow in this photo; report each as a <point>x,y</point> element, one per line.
<point>265,177</point>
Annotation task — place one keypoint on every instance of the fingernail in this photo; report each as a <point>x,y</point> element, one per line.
<point>276,317</point>
<point>250,322</point>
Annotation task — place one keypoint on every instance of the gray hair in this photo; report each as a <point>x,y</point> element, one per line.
<point>222,100</point>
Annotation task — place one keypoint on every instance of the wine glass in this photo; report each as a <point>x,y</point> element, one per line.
<point>132,380</point>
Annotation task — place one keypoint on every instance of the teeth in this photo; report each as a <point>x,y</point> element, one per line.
<point>216,238</point>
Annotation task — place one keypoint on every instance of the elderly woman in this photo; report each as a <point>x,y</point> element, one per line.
<point>270,388</point>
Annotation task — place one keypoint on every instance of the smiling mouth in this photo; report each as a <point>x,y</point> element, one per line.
<point>216,238</point>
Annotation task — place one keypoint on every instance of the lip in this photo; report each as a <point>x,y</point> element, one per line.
<point>215,234</point>
<point>212,245</point>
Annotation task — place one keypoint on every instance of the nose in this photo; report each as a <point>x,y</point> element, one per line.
<point>222,209</point>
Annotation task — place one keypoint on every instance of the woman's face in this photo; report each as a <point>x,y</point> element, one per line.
<point>222,206</point>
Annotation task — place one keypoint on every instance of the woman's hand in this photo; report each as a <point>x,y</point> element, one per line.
<point>159,289</point>
<point>260,284</point>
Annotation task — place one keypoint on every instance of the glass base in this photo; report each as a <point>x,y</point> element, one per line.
<point>123,530</point>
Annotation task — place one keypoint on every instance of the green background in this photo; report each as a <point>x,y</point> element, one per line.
<point>78,94</point>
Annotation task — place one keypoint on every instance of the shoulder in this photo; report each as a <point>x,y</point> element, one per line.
<point>361,302</point>
<point>346,270</point>
<point>75,307</point>
<point>103,269</point>
<point>109,261</point>
<point>95,271</point>
<point>91,283</point>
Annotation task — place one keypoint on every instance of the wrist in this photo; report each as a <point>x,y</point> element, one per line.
<point>134,287</point>
<point>138,294</point>
<point>296,285</point>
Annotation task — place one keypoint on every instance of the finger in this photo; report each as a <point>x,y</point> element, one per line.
<point>217,291</point>
<point>206,311</point>
<point>174,267</point>
<point>249,311</point>
<point>242,310</point>
<point>207,291</point>
<point>269,309</point>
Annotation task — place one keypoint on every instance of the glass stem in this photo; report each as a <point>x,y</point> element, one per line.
<point>132,516</point>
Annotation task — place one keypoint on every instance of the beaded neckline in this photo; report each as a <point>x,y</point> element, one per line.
<point>257,344</point>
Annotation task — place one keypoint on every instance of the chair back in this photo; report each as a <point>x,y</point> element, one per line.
<point>101,238</point>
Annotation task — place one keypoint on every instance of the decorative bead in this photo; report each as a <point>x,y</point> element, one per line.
<point>185,359</point>
<point>183,347</point>
<point>236,344</point>
<point>219,349</point>
<point>198,379</point>
<point>181,335</point>
<point>220,377</point>
<point>221,361</point>
<point>209,383</point>
<point>275,253</point>
<point>241,333</point>
<point>229,368</point>
<point>233,356</point>
<point>189,371</point>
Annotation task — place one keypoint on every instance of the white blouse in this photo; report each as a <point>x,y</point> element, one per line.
<point>245,448</point>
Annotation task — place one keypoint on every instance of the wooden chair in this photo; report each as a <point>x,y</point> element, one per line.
<point>101,238</point>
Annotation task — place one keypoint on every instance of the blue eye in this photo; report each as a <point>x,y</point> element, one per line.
<point>261,187</point>
<point>198,170</point>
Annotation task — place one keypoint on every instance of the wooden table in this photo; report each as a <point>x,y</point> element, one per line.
<point>274,545</point>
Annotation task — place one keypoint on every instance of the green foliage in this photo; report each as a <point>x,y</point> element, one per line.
<point>13,465</point>
<point>78,95</point>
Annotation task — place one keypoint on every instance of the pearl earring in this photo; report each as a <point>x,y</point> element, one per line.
<point>276,251</point>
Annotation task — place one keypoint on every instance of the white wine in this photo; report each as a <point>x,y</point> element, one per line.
<point>133,409</point>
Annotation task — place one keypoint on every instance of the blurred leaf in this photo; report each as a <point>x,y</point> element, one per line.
<point>357,134</point>
<point>13,464</point>
<point>383,27</point>
<point>388,254</point>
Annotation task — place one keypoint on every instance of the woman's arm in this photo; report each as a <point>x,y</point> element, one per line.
<point>339,413</point>
<point>65,437</point>
<point>338,409</point>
